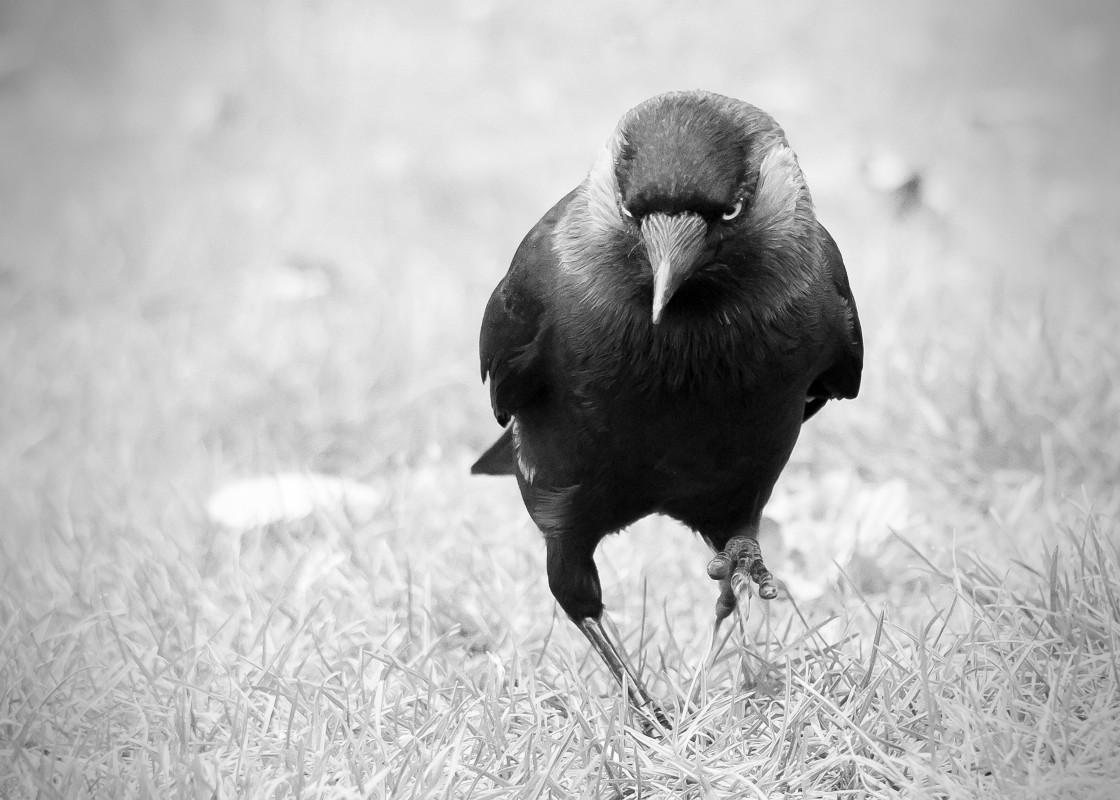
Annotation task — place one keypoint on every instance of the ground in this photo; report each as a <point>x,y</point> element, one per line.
<point>239,239</point>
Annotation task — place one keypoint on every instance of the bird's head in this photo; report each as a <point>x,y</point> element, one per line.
<point>693,179</point>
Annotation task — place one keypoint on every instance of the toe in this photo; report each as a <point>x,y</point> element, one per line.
<point>720,566</point>
<point>767,586</point>
<point>750,567</point>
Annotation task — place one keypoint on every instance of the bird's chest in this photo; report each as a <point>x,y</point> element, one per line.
<point>699,399</point>
<point>683,369</point>
<point>702,430</point>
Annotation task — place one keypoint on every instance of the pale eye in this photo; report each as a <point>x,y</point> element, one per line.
<point>734,211</point>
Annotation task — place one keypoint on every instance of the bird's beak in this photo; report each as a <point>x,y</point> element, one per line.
<point>674,244</point>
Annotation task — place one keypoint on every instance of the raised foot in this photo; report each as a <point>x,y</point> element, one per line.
<point>735,567</point>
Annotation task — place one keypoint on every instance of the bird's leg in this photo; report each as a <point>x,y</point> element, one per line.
<point>614,656</point>
<point>574,581</point>
<point>735,567</point>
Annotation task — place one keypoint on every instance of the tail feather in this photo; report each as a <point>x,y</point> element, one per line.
<point>498,458</point>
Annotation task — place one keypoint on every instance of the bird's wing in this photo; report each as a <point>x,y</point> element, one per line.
<point>513,327</point>
<point>841,378</point>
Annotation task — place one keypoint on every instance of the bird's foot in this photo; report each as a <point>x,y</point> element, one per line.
<point>735,567</point>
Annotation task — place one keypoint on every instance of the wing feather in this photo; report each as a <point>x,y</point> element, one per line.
<point>515,322</point>
<point>841,378</point>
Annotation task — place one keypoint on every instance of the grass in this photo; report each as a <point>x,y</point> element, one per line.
<point>244,239</point>
<point>321,677</point>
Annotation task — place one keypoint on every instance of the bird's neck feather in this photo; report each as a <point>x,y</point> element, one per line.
<point>606,274</point>
<point>781,200</point>
<point>760,312</point>
<point>601,258</point>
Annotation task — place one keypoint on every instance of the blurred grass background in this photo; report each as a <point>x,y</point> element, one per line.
<point>163,162</point>
<point>242,237</point>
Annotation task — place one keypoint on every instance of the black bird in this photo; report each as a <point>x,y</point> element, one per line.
<point>659,339</point>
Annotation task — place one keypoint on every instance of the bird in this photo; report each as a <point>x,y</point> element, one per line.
<point>661,336</point>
